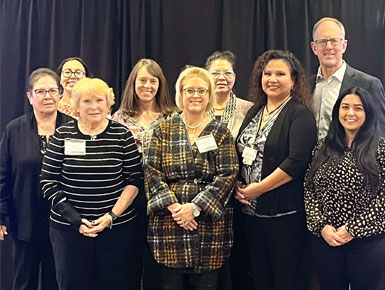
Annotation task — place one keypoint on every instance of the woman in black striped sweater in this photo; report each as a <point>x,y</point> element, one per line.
<point>91,175</point>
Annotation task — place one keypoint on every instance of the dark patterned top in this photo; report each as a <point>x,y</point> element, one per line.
<point>336,196</point>
<point>177,172</point>
<point>92,182</point>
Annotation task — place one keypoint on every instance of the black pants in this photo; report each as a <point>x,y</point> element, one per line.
<point>173,279</point>
<point>276,248</point>
<point>33,266</point>
<point>361,262</point>
<point>238,261</point>
<point>111,261</point>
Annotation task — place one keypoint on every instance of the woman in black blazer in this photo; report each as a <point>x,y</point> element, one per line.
<point>22,147</point>
<point>274,147</point>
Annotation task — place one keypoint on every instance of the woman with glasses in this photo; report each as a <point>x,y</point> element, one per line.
<point>228,109</point>
<point>345,197</point>
<point>190,168</point>
<point>274,148</point>
<point>70,71</point>
<point>23,146</point>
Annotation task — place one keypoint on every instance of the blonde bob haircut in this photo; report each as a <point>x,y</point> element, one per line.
<point>91,88</point>
<point>194,72</point>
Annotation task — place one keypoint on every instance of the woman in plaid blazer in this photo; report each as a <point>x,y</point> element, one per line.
<point>191,167</point>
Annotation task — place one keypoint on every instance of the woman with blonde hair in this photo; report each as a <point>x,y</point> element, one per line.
<point>91,175</point>
<point>190,167</point>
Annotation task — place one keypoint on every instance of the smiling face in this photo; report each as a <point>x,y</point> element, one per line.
<point>351,114</point>
<point>46,104</point>
<point>197,101</point>
<point>92,110</point>
<point>146,85</point>
<point>330,56</point>
<point>69,82</point>
<point>276,79</point>
<point>223,75</point>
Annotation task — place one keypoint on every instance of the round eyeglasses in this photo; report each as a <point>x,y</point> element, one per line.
<point>68,73</point>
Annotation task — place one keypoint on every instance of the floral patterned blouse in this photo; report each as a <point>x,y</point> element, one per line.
<point>65,109</point>
<point>141,134</point>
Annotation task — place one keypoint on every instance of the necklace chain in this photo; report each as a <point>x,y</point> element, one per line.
<point>194,128</point>
<point>269,114</point>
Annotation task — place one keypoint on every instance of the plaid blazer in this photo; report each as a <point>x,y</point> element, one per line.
<point>176,172</point>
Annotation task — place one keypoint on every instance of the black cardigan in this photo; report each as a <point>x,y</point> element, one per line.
<point>288,146</point>
<point>21,198</point>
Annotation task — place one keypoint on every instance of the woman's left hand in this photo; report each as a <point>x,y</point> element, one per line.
<point>183,215</point>
<point>344,234</point>
<point>247,193</point>
<point>99,225</point>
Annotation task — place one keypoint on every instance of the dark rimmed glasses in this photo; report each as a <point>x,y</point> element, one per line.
<point>77,73</point>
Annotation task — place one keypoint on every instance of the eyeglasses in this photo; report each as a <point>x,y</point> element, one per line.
<point>190,92</point>
<point>68,73</point>
<point>41,93</point>
<point>226,74</point>
<point>322,43</point>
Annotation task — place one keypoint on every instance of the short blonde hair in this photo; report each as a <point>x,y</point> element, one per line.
<point>91,88</point>
<point>336,21</point>
<point>194,72</point>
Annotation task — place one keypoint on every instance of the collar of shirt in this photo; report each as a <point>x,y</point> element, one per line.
<point>339,74</point>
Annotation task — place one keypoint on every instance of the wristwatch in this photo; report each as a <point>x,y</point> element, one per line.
<point>112,215</point>
<point>196,211</point>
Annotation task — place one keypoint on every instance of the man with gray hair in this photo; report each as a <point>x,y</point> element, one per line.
<point>334,75</point>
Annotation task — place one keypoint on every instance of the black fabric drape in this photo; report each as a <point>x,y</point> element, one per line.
<point>112,35</point>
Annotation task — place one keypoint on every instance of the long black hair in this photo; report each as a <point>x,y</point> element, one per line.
<point>364,145</point>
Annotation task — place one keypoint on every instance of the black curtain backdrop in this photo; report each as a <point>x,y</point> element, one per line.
<point>112,35</point>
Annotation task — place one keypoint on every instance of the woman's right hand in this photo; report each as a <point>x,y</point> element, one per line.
<point>3,232</point>
<point>330,235</point>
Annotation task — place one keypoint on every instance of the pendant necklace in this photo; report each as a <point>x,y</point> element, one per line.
<point>269,114</point>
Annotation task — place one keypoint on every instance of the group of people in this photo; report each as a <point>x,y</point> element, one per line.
<point>184,194</point>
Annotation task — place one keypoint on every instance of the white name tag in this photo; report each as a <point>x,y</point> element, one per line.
<point>74,147</point>
<point>206,143</point>
<point>249,155</point>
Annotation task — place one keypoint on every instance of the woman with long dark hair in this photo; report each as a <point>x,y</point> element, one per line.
<point>344,197</point>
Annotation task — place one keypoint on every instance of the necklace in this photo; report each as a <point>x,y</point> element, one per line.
<point>270,114</point>
<point>220,109</point>
<point>194,128</point>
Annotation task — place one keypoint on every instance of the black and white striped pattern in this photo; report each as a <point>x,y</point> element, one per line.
<point>91,182</point>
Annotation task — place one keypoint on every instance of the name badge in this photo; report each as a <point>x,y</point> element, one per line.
<point>249,155</point>
<point>74,147</point>
<point>206,143</point>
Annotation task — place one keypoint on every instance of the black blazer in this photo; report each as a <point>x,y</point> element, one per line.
<point>356,78</point>
<point>21,198</point>
<point>288,146</point>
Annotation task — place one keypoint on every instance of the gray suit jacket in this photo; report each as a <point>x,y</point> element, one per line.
<point>356,78</point>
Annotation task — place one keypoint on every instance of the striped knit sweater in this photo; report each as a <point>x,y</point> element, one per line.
<point>93,182</point>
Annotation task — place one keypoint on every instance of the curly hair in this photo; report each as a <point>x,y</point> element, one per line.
<point>301,90</point>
